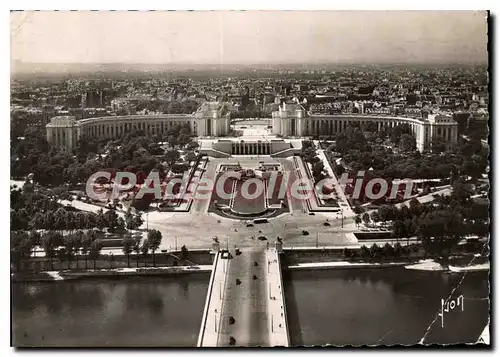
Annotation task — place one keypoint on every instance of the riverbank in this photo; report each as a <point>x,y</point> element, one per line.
<point>313,259</point>
<point>55,276</point>
<point>342,265</point>
<point>307,259</point>
<point>426,265</point>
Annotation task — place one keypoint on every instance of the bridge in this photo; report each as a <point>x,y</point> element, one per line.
<point>245,303</point>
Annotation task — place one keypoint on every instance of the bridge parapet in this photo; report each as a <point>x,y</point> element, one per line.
<point>279,335</point>
<point>245,304</point>
<point>210,323</point>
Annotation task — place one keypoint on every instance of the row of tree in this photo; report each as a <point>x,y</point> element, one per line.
<point>69,247</point>
<point>377,252</point>
<point>308,154</point>
<point>54,244</point>
<point>63,220</point>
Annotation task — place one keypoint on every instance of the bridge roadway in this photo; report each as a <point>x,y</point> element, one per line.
<point>251,313</point>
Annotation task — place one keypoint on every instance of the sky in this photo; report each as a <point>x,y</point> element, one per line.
<point>249,37</point>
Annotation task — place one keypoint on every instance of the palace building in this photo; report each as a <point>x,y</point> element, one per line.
<point>292,120</point>
<point>212,120</point>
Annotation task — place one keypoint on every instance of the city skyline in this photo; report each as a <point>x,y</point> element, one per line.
<point>249,37</point>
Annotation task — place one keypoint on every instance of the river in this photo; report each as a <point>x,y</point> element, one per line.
<point>132,312</point>
<point>340,307</point>
<point>383,306</point>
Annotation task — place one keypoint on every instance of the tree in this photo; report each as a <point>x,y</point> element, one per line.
<point>407,143</point>
<point>357,209</point>
<point>365,252</point>
<point>137,248</point>
<point>414,207</point>
<point>461,192</point>
<point>86,242</point>
<point>121,223</point>
<point>398,227</point>
<point>127,246</point>
<point>388,250</point>
<point>317,169</point>
<point>190,156</point>
<point>138,220</point>
<point>111,218</point>
<point>49,220</point>
<point>77,244</point>
<point>35,238</point>
<point>438,145</point>
<point>50,241</point>
<point>366,217</point>
<point>101,220</point>
<point>145,250</point>
<point>184,253</point>
<point>37,221</point>
<point>374,251</point>
<point>171,157</point>
<point>90,220</point>
<point>95,249</point>
<point>357,220</point>
<point>346,253</point>
<point>192,145</point>
<point>62,255</point>
<point>179,168</point>
<point>80,218</point>
<point>183,139</point>
<point>20,246</point>
<point>172,141</point>
<point>441,230</point>
<point>375,216</point>
<point>69,247</point>
<point>154,241</point>
<point>129,219</point>
<point>60,219</point>
<point>23,218</point>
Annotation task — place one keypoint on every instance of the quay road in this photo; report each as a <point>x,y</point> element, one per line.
<point>245,305</point>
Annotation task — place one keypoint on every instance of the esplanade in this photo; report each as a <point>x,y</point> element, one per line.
<point>212,120</point>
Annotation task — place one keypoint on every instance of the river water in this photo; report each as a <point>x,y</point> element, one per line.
<point>383,306</point>
<point>135,312</point>
<point>340,307</point>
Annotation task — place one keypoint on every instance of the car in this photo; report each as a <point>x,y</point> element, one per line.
<point>326,224</point>
<point>249,225</point>
<point>312,214</point>
<point>262,238</point>
<point>305,233</point>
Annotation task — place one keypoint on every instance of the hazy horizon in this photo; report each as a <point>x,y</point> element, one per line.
<point>248,37</point>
